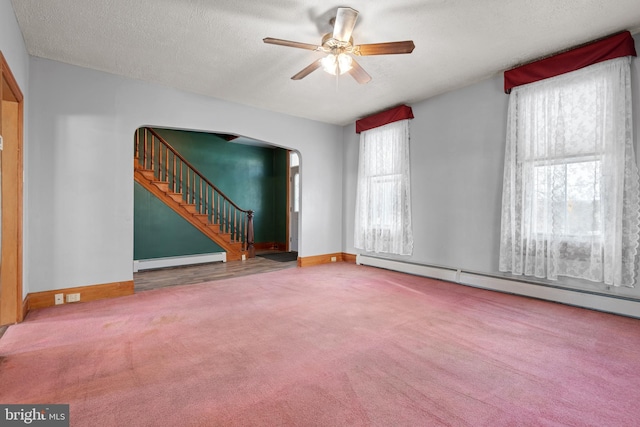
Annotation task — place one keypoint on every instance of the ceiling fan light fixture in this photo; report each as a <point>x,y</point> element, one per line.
<point>339,46</point>
<point>337,64</point>
<point>344,62</point>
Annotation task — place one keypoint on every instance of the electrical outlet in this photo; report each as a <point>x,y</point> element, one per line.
<point>333,259</point>
<point>73,297</point>
<point>59,299</point>
<point>244,257</point>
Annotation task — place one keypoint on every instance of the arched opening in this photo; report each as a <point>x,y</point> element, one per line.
<point>256,176</point>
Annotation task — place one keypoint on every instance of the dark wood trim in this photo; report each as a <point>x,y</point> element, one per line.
<point>44,299</point>
<point>250,237</point>
<point>265,246</point>
<point>226,136</point>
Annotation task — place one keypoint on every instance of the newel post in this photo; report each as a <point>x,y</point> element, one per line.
<point>250,240</point>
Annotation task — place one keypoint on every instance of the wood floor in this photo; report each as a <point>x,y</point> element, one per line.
<point>186,275</point>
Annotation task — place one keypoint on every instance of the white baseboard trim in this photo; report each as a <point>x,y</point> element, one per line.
<point>581,298</point>
<point>148,264</point>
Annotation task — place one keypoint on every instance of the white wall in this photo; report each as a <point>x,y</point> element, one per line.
<point>457,155</point>
<point>81,168</point>
<point>457,151</point>
<point>457,161</point>
<point>79,125</point>
<point>12,45</point>
<point>15,53</point>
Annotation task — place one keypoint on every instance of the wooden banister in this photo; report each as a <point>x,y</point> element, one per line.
<point>170,168</point>
<point>190,166</point>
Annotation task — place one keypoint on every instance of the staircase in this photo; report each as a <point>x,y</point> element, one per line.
<point>160,169</point>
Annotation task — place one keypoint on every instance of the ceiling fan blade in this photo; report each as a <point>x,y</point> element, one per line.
<point>390,48</point>
<point>345,21</point>
<point>280,42</point>
<point>307,70</point>
<point>358,73</point>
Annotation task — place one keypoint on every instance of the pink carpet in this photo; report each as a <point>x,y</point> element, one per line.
<point>326,346</point>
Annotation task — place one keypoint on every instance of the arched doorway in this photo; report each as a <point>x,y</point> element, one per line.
<point>254,174</point>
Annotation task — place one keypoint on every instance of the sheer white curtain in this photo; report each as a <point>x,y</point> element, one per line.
<point>383,204</point>
<point>571,197</point>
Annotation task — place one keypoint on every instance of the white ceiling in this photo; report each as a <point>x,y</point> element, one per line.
<point>215,48</point>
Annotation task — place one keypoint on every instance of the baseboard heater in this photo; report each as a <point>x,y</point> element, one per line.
<point>148,264</point>
<point>581,298</point>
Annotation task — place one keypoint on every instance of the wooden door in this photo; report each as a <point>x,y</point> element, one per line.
<point>11,175</point>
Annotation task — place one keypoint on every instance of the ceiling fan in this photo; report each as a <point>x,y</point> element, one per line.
<point>340,48</point>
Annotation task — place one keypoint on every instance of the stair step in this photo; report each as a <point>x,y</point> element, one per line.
<point>189,207</point>
<point>204,218</point>
<point>147,173</point>
<point>215,228</point>
<point>176,196</point>
<point>162,185</point>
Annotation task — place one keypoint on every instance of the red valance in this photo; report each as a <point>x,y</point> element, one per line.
<point>615,46</point>
<point>395,114</point>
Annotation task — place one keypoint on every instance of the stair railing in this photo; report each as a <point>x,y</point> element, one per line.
<point>153,153</point>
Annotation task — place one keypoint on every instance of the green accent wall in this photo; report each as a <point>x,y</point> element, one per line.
<point>160,232</point>
<point>280,173</point>
<point>253,177</point>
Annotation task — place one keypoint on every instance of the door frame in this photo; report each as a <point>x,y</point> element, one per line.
<point>288,230</point>
<point>290,201</point>
<point>12,309</point>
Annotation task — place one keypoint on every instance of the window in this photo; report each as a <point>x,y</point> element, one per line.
<point>383,205</point>
<point>578,199</point>
<point>384,190</point>
<point>570,193</point>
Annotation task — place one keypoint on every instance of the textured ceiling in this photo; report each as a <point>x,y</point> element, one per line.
<point>215,48</point>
